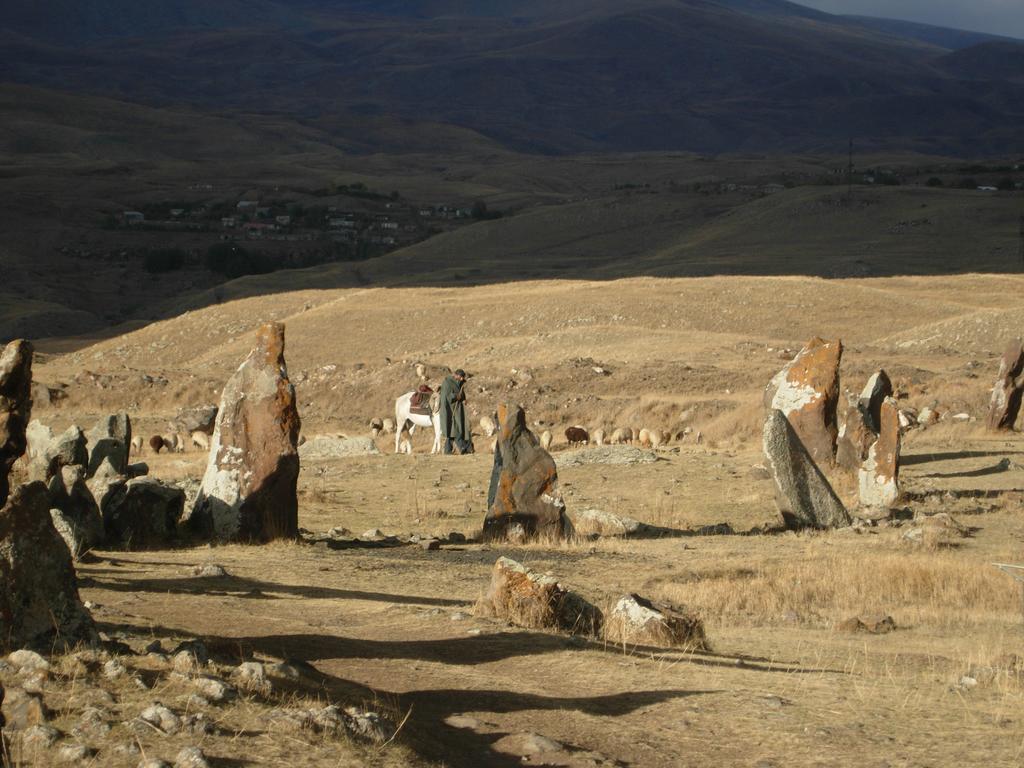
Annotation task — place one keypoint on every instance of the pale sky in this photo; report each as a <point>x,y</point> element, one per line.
<point>1001,17</point>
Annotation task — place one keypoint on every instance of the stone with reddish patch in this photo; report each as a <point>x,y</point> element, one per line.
<point>879,474</point>
<point>1004,405</point>
<point>524,499</point>
<point>806,391</point>
<point>249,489</point>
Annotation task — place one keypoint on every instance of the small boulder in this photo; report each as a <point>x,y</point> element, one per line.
<point>200,419</point>
<point>67,449</point>
<point>597,522</point>
<point>875,624</point>
<point>636,621</point>
<point>38,437</point>
<point>22,709</point>
<point>534,601</point>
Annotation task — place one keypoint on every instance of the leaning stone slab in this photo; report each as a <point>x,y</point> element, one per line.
<point>535,601</point>
<point>803,494</point>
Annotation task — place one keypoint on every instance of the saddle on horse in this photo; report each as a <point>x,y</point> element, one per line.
<point>419,403</point>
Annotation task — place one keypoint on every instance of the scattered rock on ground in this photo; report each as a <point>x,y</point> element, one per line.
<point>588,522</point>
<point>606,454</point>
<point>528,599</point>
<point>637,621</point>
<point>875,624</point>
<point>326,447</point>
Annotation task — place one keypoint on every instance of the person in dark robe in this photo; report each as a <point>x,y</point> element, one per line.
<point>454,424</point>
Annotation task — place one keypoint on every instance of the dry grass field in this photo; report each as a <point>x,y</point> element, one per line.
<point>393,627</point>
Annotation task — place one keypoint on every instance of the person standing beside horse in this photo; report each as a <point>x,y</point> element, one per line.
<point>454,424</point>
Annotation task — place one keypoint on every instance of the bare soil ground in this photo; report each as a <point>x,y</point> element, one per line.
<point>395,626</point>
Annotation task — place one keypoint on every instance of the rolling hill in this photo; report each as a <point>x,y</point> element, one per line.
<point>733,75</point>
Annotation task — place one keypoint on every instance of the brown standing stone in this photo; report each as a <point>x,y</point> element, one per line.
<point>524,499</point>
<point>1008,390</point>
<point>15,407</point>
<point>804,495</point>
<point>879,474</point>
<point>39,603</point>
<point>807,393</point>
<point>249,489</point>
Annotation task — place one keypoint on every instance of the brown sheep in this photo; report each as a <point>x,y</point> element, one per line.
<point>156,443</point>
<point>577,436</point>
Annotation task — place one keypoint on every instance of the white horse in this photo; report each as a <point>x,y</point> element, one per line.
<point>403,414</point>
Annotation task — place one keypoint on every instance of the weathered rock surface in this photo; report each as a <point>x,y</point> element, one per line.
<point>15,407</point>
<point>524,500</point>
<point>39,604</point>
<point>201,419</point>
<point>110,440</point>
<point>22,710</point>
<point>806,391</point>
<point>879,474</point>
<point>588,522</point>
<point>527,599</point>
<point>875,392</point>
<point>1004,405</point>
<point>74,511</point>
<point>67,449</point>
<point>105,485</point>
<point>606,454</point>
<point>327,447</point>
<point>249,489</point>
<point>855,439</point>
<point>637,621</point>
<point>143,514</point>
<point>803,494</point>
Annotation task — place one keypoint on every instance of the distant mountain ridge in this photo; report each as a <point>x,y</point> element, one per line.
<point>581,75</point>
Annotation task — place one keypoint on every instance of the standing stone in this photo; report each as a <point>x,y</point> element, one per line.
<point>74,511</point>
<point>524,500</point>
<point>249,489</point>
<point>807,393</point>
<point>110,440</point>
<point>38,436</point>
<point>67,449</point>
<point>878,388</point>
<point>803,494</point>
<point>39,602</point>
<point>15,407</point>
<point>855,439</point>
<point>1008,390</point>
<point>143,514</point>
<point>879,475</point>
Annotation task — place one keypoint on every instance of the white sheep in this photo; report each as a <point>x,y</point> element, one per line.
<point>487,426</point>
<point>200,440</point>
<point>171,442</point>
<point>598,436</point>
<point>137,444</point>
<point>387,426</point>
<point>644,438</point>
<point>545,440</point>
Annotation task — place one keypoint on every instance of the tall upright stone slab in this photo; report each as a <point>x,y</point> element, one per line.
<point>803,494</point>
<point>1004,404</point>
<point>39,603</point>
<point>524,500</point>
<point>110,440</point>
<point>878,388</point>
<point>15,407</point>
<point>880,472</point>
<point>249,489</point>
<point>806,391</point>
